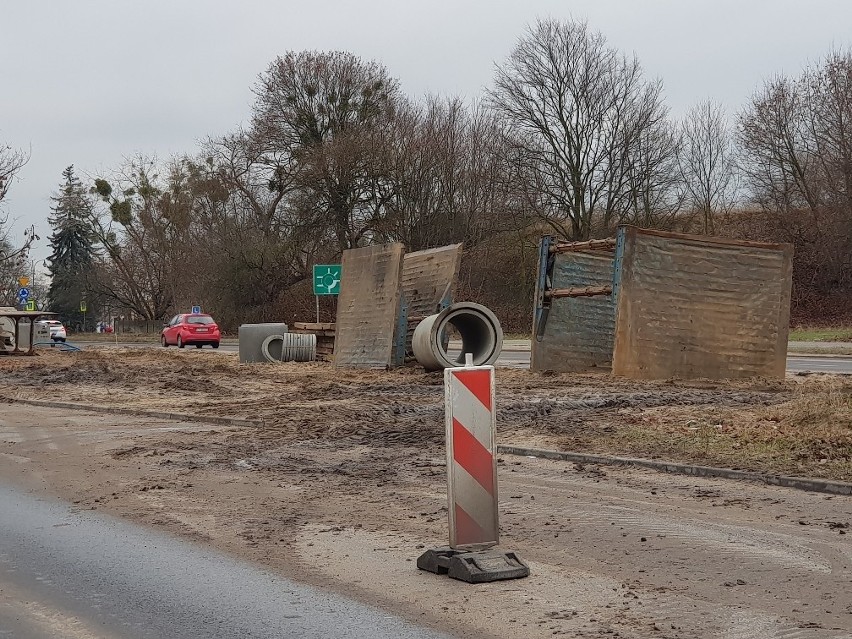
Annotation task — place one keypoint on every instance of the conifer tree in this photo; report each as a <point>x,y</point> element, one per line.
<point>71,260</point>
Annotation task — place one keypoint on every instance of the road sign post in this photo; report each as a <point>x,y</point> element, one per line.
<point>326,281</point>
<point>472,482</point>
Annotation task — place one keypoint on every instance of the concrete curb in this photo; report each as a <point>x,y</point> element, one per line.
<point>800,483</point>
<point>178,417</point>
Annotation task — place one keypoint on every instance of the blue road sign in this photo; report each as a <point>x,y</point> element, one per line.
<point>196,310</point>
<point>24,293</point>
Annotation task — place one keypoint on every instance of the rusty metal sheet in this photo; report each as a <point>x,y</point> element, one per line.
<point>368,306</point>
<point>429,279</point>
<point>578,335</point>
<point>700,307</point>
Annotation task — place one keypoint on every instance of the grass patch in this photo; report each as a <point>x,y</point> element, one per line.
<point>837,334</point>
<point>809,434</point>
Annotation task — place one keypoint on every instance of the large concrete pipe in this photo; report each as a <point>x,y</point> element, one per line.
<point>252,336</point>
<point>477,326</point>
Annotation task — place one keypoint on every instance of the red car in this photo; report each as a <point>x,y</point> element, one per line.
<point>193,328</point>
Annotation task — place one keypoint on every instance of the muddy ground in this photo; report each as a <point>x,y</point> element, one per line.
<point>799,426</point>
<point>344,485</point>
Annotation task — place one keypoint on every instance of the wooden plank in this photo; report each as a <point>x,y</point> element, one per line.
<point>300,331</point>
<point>607,244</point>
<point>313,326</point>
<point>582,291</point>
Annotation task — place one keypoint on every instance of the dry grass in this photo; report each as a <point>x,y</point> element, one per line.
<point>808,433</point>
<point>809,334</point>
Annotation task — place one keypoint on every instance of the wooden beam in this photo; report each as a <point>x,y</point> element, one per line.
<point>607,244</point>
<point>582,291</point>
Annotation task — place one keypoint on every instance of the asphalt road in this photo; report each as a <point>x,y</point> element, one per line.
<point>614,551</point>
<point>78,575</point>
<point>520,357</point>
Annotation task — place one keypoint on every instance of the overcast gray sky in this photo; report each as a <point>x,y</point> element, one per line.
<point>91,82</point>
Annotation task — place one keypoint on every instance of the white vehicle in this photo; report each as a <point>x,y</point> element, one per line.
<point>57,330</point>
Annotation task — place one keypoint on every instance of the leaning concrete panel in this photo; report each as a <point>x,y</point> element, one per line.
<point>692,306</point>
<point>368,306</point>
<point>429,280</point>
<point>579,331</point>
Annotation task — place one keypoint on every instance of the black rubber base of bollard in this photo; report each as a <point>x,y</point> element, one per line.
<point>473,567</point>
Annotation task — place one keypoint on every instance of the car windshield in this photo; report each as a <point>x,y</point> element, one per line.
<point>199,319</point>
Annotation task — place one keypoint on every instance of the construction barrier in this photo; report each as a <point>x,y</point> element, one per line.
<point>471,464</point>
<point>472,483</point>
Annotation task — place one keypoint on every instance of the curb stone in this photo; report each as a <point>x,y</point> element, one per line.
<point>800,483</point>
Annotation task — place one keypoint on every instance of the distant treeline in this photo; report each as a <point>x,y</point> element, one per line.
<point>570,139</point>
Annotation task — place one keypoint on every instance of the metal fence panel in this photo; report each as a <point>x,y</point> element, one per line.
<point>368,306</point>
<point>429,280</point>
<point>578,334</point>
<point>693,306</point>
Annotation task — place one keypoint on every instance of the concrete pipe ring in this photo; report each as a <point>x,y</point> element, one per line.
<point>264,348</point>
<point>479,329</point>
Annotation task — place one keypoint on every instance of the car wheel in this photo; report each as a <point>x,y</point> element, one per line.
<point>180,342</point>
<point>215,344</point>
<point>62,339</point>
<point>163,341</point>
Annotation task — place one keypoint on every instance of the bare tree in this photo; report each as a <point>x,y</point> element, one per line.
<point>258,239</point>
<point>329,111</point>
<point>11,163</point>
<point>447,175</point>
<point>779,156</point>
<point>578,111</point>
<point>653,181</point>
<point>707,164</point>
<point>141,240</point>
<point>796,140</point>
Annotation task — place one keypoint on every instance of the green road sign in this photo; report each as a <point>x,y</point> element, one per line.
<point>30,305</point>
<point>82,307</point>
<point>327,279</point>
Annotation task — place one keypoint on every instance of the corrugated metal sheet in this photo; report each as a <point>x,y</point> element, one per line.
<point>691,307</point>
<point>579,331</point>
<point>368,306</point>
<point>429,278</point>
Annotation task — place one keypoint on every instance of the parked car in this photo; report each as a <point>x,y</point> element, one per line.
<point>195,329</point>
<point>57,330</point>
